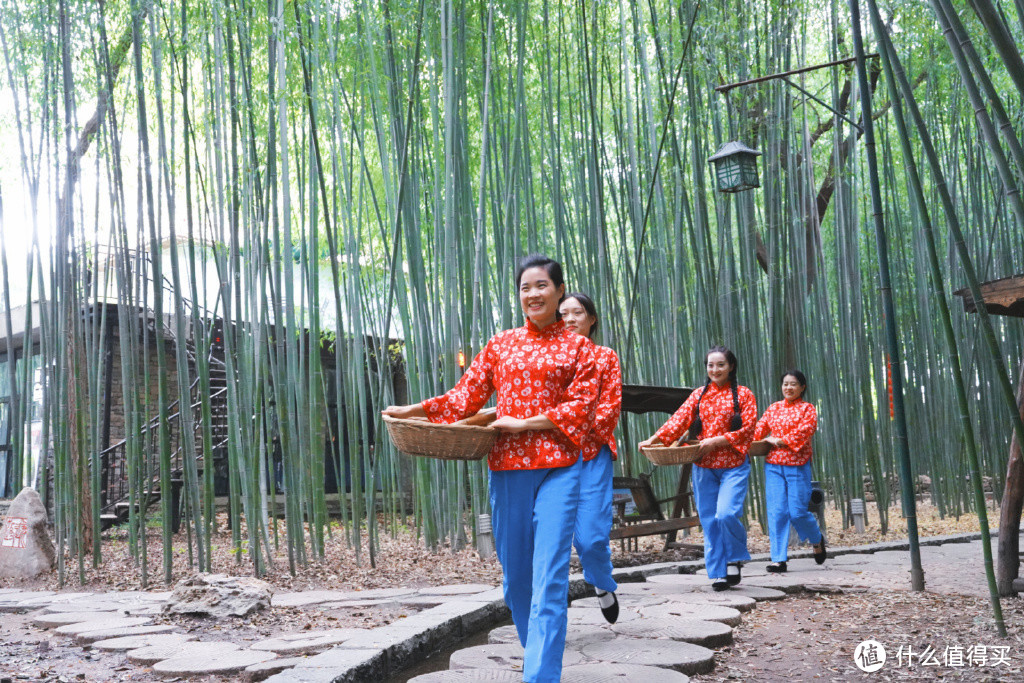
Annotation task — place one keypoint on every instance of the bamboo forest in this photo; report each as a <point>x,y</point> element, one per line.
<point>232,232</point>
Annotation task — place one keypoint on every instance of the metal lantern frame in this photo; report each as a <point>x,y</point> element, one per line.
<point>735,167</point>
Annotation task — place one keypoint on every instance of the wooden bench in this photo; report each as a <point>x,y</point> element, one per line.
<point>648,517</point>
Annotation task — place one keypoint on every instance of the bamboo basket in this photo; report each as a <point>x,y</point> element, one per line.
<point>671,455</point>
<point>759,449</point>
<point>442,441</point>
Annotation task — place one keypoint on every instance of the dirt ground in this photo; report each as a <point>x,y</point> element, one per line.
<point>824,629</point>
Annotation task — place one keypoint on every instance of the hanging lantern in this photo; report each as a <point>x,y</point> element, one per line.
<point>735,167</point>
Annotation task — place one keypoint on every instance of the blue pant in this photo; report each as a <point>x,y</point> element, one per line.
<point>788,492</point>
<point>533,514</point>
<point>594,521</point>
<point>719,494</point>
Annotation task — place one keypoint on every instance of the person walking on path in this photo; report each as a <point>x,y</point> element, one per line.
<point>787,471</point>
<point>722,415</point>
<point>545,378</point>
<point>594,513</point>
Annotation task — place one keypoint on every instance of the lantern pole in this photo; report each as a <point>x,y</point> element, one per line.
<point>899,413</point>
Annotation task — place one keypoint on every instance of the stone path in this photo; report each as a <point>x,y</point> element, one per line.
<point>669,624</point>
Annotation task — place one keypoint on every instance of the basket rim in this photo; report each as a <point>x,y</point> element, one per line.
<point>400,421</point>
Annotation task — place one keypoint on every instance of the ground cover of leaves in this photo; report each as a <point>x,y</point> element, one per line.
<point>804,637</point>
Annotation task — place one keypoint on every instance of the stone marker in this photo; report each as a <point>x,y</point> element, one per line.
<point>508,657</point>
<point>668,654</point>
<point>219,595</point>
<point>62,618</point>
<point>125,643</point>
<point>470,676</point>
<point>604,672</point>
<point>25,547</point>
<point>264,670</point>
<point>92,636</point>
<point>306,641</point>
<point>151,654</point>
<point>696,631</point>
<point>726,615</point>
<point>101,625</point>
<point>223,663</point>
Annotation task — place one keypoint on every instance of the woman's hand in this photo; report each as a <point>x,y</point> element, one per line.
<point>404,412</point>
<point>775,442</point>
<point>510,425</point>
<point>648,443</point>
<point>715,443</point>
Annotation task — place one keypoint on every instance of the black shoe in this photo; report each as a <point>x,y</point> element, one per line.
<point>720,584</point>
<point>819,555</point>
<point>776,568</point>
<point>611,612</point>
<point>732,573</point>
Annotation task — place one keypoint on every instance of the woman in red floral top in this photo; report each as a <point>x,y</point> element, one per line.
<point>594,514</point>
<point>546,381</point>
<point>722,416</point>
<point>787,471</point>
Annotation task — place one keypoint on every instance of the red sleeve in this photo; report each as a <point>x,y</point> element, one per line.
<point>573,413</point>
<point>764,425</point>
<point>471,392</point>
<point>742,437</point>
<point>680,420</point>
<point>609,401</point>
<point>801,435</point>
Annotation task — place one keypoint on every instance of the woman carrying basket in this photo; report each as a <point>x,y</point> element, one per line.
<point>722,415</point>
<point>787,471</point>
<point>546,382</point>
<point>594,514</point>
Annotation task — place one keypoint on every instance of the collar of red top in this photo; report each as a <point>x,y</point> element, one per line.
<point>798,401</point>
<point>549,331</point>
<point>715,388</point>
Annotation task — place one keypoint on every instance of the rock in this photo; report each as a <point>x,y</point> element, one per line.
<point>125,643</point>
<point>306,641</point>
<point>220,663</point>
<point>25,547</point>
<point>219,595</point>
<point>604,672</point>
<point>668,654</point>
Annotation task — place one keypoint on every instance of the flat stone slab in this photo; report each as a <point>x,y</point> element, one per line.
<point>93,636</point>
<point>784,582</point>
<point>726,615</point>
<point>49,620</point>
<point>686,658</point>
<point>758,593</point>
<point>503,635</point>
<point>307,641</point>
<point>698,632</point>
<point>457,589</point>
<point>625,601</point>
<point>224,663</point>
<point>157,653</point>
<point>578,637</point>
<point>264,670</point>
<point>471,676</point>
<point>304,598</point>
<point>623,673</point>
<point>101,625</point>
<point>592,615</point>
<point>695,580</point>
<point>125,643</point>
<point>508,657</point>
<point>725,598</point>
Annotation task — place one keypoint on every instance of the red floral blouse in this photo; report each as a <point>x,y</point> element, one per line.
<point>794,423</point>
<point>550,372</point>
<point>609,404</point>
<point>716,410</point>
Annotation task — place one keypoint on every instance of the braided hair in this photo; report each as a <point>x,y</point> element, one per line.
<point>697,425</point>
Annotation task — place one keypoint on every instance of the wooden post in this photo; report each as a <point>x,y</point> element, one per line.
<point>1008,556</point>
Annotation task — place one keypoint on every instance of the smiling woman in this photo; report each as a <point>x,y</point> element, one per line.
<point>545,377</point>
